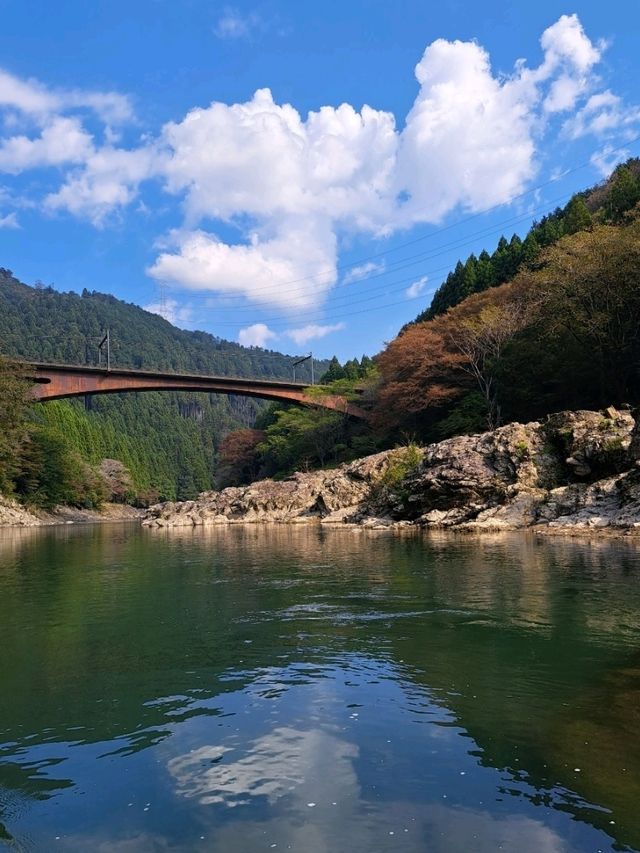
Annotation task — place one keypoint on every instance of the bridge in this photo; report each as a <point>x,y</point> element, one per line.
<point>56,381</point>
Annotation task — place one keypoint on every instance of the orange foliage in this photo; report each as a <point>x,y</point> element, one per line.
<point>238,459</point>
<point>433,363</point>
<point>419,369</point>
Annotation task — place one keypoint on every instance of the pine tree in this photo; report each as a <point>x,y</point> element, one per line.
<point>576,216</point>
<point>624,193</point>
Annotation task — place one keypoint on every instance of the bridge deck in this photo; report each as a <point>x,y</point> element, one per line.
<point>92,370</point>
<point>56,381</point>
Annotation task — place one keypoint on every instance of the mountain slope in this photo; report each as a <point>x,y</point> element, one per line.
<point>167,440</point>
<point>605,203</point>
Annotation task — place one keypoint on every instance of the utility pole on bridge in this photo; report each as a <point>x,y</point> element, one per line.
<point>300,361</point>
<point>106,340</point>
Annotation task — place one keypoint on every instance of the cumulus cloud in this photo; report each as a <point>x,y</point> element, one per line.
<point>566,44</point>
<point>296,180</point>
<point>9,221</point>
<point>363,271</point>
<point>256,269</point>
<point>53,123</point>
<point>468,124</point>
<point>312,332</point>
<point>63,140</point>
<point>469,142</point>
<point>260,158</point>
<point>109,179</point>
<point>256,335</point>
<point>292,185</point>
<point>417,287</point>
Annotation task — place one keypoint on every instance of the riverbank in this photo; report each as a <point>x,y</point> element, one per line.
<point>571,472</point>
<point>14,514</point>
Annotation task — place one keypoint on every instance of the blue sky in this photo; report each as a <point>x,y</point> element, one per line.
<point>298,175</point>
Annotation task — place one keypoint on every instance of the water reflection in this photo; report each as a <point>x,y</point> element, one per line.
<point>322,689</point>
<point>271,766</point>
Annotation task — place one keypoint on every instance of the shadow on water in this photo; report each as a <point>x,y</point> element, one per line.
<point>121,644</point>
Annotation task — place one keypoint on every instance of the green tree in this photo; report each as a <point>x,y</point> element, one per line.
<point>14,407</point>
<point>624,193</point>
<point>52,472</point>
<point>577,216</point>
<point>335,371</point>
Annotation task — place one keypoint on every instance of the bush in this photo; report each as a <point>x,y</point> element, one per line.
<point>401,463</point>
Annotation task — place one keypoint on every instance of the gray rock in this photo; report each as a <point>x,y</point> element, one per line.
<point>573,470</point>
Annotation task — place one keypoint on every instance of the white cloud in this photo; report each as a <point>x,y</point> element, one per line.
<point>565,43</point>
<point>417,287</point>
<point>9,221</point>
<point>291,184</point>
<point>256,335</point>
<point>468,140</point>
<point>607,158</point>
<point>101,177</point>
<point>602,115</point>
<point>33,98</point>
<point>312,332</point>
<point>63,140</point>
<point>296,181</point>
<point>109,180</point>
<point>233,25</point>
<point>363,271</point>
<point>256,269</point>
<point>262,159</point>
<point>571,55</point>
<point>171,310</point>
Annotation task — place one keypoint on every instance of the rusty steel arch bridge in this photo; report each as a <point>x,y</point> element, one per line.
<point>57,381</point>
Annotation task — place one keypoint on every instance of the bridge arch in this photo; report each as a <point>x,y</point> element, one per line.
<point>59,381</point>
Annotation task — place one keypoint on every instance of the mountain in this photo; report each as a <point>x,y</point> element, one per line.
<point>166,440</point>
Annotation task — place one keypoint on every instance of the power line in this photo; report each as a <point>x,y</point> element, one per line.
<point>380,292</point>
<point>423,256</point>
<point>398,247</point>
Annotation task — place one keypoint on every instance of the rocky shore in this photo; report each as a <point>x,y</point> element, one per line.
<point>570,472</point>
<point>13,514</point>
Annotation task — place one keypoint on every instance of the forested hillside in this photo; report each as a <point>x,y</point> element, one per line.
<point>166,441</point>
<point>607,202</point>
<point>563,334</point>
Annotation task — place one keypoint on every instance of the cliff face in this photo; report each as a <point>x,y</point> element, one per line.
<point>573,470</point>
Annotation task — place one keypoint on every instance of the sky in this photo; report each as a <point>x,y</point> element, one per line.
<point>298,175</point>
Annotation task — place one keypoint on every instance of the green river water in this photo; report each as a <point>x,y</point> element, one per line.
<point>283,688</point>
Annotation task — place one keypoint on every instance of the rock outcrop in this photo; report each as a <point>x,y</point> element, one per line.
<point>13,514</point>
<point>573,470</point>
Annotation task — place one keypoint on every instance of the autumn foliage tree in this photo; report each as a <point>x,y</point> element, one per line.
<point>238,457</point>
<point>433,364</point>
<point>565,334</point>
<point>479,330</point>
<point>419,373</point>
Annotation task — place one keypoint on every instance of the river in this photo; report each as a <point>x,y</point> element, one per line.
<point>292,688</point>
